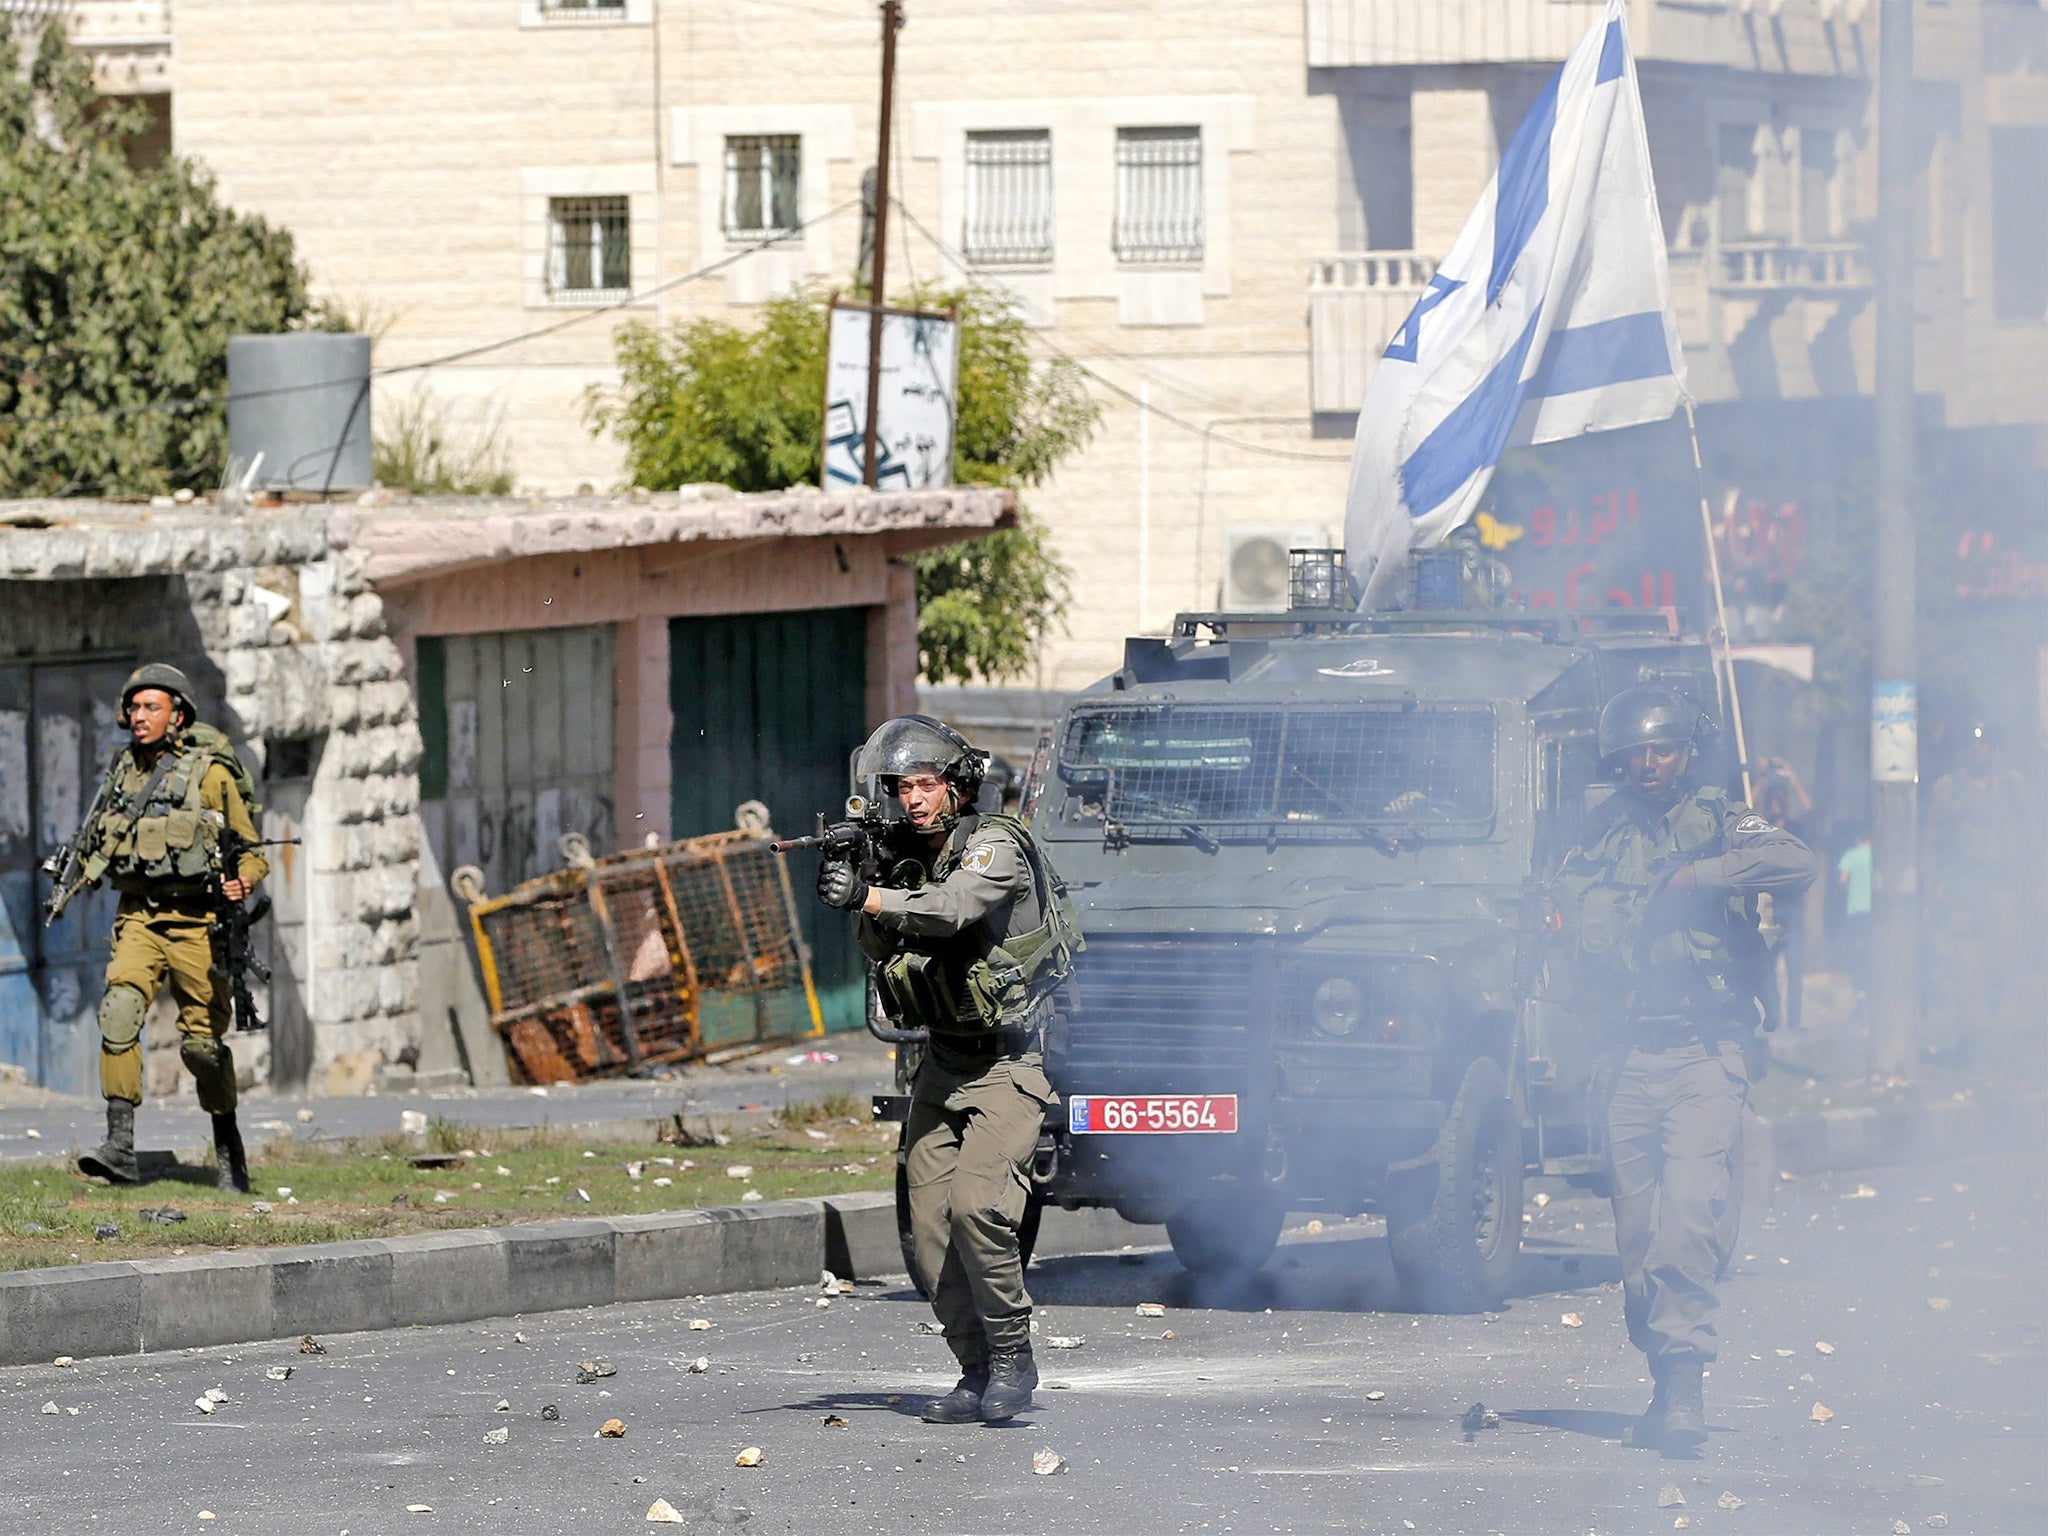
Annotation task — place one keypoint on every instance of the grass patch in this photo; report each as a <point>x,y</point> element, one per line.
<point>837,1105</point>
<point>370,1188</point>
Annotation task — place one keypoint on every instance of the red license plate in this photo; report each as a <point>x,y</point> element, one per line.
<point>1152,1114</point>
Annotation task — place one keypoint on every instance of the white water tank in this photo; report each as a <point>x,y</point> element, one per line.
<point>302,400</point>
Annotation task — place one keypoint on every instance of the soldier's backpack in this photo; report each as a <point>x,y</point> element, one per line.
<point>215,744</point>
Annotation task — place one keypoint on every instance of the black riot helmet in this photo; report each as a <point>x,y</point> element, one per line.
<point>164,676</point>
<point>1636,717</point>
<point>920,744</point>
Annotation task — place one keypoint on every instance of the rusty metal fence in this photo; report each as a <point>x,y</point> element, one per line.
<point>660,955</point>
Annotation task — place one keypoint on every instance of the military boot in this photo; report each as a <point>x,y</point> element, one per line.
<point>1685,1411</point>
<point>1648,1431</point>
<point>962,1405</point>
<point>115,1160</point>
<point>1011,1376</point>
<point>232,1174</point>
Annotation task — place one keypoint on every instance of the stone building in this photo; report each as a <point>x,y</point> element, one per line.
<point>1221,209</point>
<point>423,684</point>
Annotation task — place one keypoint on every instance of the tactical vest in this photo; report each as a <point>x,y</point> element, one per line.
<point>1684,957</point>
<point>155,837</point>
<point>968,985</point>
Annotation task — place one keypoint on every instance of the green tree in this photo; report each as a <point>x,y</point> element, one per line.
<point>119,288</point>
<point>707,401</point>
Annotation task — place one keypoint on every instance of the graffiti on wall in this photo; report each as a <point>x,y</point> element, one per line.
<point>1604,552</point>
<point>1987,571</point>
<point>1761,546</point>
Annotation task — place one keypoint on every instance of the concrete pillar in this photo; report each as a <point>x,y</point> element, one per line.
<point>1455,153</point>
<point>892,648</point>
<point>642,722</point>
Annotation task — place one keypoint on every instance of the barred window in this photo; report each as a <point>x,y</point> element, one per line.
<point>582,10</point>
<point>762,183</point>
<point>589,247</point>
<point>1159,194</point>
<point>1009,197</point>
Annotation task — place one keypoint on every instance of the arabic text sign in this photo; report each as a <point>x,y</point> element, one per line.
<point>920,376</point>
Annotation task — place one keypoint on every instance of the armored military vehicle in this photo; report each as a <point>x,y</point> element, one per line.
<point>1305,849</point>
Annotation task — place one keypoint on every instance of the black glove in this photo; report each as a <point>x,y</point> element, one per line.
<point>840,886</point>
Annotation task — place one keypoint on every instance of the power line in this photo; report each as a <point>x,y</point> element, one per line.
<point>1207,433</point>
<point>203,402</point>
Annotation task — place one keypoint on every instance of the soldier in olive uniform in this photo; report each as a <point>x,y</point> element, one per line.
<point>971,934</point>
<point>1660,904</point>
<point>157,840</point>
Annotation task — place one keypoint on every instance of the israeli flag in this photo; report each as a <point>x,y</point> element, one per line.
<point>1551,316</point>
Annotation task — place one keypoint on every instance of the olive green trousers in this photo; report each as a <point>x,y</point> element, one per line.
<point>150,948</point>
<point>968,1161</point>
<point>1674,1131</point>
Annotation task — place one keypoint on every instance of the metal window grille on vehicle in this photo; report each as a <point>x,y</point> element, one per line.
<point>1009,197</point>
<point>1159,194</point>
<point>763,182</point>
<point>590,247</point>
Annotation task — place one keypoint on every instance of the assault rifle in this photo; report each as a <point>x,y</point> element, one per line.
<point>66,868</point>
<point>231,934</point>
<point>859,840</point>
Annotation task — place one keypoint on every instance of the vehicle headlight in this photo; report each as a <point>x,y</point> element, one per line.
<point>1337,1007</point>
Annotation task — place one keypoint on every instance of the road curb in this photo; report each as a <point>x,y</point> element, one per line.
<point>424,1279</point>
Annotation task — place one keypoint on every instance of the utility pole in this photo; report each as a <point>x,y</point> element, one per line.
<point>892,18</point>
<point>1894,705</point>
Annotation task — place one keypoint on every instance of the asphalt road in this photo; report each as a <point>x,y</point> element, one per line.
<point>758,1084</point>
<point>1258,1412</point>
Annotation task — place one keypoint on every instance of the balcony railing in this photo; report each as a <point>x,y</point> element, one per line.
<point>1770,266</point>
<point>1355,304</point>
<point>1807,37</point>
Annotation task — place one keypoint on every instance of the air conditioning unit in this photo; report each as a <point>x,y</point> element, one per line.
<point>1255,564</point>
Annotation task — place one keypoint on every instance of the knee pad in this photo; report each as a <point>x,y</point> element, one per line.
<point>204,1055</point>
<point>123,1010</point>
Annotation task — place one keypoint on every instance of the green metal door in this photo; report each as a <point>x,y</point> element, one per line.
<point>770,707</point>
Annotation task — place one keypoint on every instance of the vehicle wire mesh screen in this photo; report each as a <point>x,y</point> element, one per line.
<point>1274,769</point>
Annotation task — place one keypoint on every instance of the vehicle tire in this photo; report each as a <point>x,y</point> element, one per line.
<point>1027,1228</point>
<point>1231,1232</point>
<point>1456,1228</point>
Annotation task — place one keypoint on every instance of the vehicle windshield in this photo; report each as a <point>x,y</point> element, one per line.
<point>1267,772</point>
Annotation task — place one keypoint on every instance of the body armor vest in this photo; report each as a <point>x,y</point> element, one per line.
<point>1689,956</point>
<point>968,984</point>
<point>155,837</point>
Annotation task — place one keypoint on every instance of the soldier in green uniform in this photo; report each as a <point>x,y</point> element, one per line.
<point>1659,902</point>
<point>971,933</point>
<point>157,839</point>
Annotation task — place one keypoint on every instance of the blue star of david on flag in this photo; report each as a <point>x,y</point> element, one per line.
<point>1402,347</point>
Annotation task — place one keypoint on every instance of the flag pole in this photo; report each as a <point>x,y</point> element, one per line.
<point>1731,699</point>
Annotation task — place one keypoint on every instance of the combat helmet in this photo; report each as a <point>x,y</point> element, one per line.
<point>161,675</point>
<point>1636,717</point>
<point>920,744</point>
